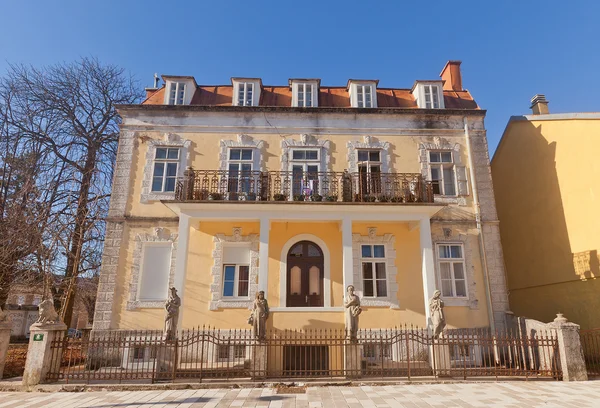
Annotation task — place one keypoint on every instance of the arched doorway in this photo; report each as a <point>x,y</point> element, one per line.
<point>305,275</point>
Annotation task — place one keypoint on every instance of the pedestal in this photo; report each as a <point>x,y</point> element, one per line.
<point>570,351</point>
<point>439,358</point>
<point>4,341</point>
<point>258,361</point>
<point>353,360</point>
<point>166,360</point>
<point>40,355</point>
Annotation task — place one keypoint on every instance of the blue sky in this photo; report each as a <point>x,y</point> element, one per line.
<point>510,50</point>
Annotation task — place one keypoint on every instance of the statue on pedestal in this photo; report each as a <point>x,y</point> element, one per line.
<point>436,309</point>
<point>47,314</point>
<point>172,307</point>
<point>259,315</point>
<point>352,305</point>
<point>3,316</point>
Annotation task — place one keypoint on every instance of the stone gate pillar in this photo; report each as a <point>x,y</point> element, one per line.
<point>40,354</point>
<point>570,351</point>
<point>5,327</point>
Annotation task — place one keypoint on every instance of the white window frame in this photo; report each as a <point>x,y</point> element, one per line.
<point>301,92</point>
<point>231,352</point>
<point>305,163</point>
<point>441,166</point>
<point>433,92</point>
<point>236,281</point>
<point>368,162</point>
<point>245,94</point>
<point>423,88</point>
<point>242,86</point>
<point>373,261</point>
<point>177,91</point>
<point>451,262</point>
<point>358,94</point>
<point>166,161</point>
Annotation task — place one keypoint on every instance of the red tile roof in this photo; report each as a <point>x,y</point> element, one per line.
<point>331,97</point>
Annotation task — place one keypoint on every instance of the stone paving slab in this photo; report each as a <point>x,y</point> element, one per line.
<point>461,395</point>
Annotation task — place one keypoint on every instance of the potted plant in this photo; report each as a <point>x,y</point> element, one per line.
<point>298,197</point>
<point>331,198</point>
<point>369,198</point>
<point>251,196</point>
<point>316,197</point>
<point>279,197</point>
<point>201,195</point>
<point>384,199</point>
<point>396,199</point>
<point>215,196</point>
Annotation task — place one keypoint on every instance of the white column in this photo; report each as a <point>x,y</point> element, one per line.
<point>347,261</point>
<point>263,255</point>
<point>183,240</point>
<point>427,265</point>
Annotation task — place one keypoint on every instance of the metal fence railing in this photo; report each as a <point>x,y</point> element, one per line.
<point>203,354</point>
<point>590,342</point>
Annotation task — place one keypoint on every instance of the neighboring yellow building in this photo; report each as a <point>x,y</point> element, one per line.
<point>546,176</point>
<point>299,191</point>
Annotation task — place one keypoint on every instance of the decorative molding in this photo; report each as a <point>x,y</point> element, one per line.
<point>391,270</point>
<point>306,140</point>
<point>445,235</point>
<point>169,140</point>
<point>369,142</point>
<point>243,141</point>
<point>218,301</point>
<point>160,235</point>
<point>440,143</point>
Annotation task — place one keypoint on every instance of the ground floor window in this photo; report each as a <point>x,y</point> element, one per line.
<point>451,266</point>
<point>373,270</point>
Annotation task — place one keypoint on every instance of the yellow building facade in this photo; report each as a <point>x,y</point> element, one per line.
<point>300,191</point>
<point>547,183</point>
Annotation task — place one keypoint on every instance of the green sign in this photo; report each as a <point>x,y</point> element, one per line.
<point>38,337</point>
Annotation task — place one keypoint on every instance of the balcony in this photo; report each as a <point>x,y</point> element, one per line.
<point>298,186</point>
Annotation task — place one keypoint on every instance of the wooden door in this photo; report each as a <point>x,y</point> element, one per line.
<point>305,275</point>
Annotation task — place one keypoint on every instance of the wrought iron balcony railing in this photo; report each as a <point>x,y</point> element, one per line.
<point>375,187</point>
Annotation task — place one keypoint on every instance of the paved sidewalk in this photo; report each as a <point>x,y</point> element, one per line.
<point>507,394</point>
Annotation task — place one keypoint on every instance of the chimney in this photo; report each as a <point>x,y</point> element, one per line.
<point>539,105</point>
<point>150,91</point>
<point>451,75</point>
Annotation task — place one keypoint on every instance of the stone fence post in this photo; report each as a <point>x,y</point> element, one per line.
<point>572,362</point>
<point>5,327</point>
<point>39,355</point>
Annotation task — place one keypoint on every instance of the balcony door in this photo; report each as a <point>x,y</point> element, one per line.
<point>305,275</point>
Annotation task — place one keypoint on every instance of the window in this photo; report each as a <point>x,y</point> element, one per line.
<point>240,170</point>
<point>373,270</point>
<point>305,95</point>
<point>451,264</point>
<point>166,163</point>
<point>223,352</point>
<point>236,271</point>
<point>305,172</point>
<point>432,97</point>
<point>443,179</point>
<point>37,299</point>
<point>363,96</point>
<point>155,269</point>
<point>245,93</point>
<point>377,351</point>
<point>239,351</point>
<point>20,300</point>
<point>369,170</point>
<point>177,93</point>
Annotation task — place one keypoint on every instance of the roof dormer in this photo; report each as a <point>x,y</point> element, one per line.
<point>246,91</point>
<point>363,93</point>
<point>305,92</point>
<point>429,94</point>
<point>179,90</point>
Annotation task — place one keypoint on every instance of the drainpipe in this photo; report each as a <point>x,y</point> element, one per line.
<point>479,229</point>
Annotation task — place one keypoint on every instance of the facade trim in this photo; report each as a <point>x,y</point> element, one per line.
<point>369,143</point>
<point>306,140</point>
<point>243,141</point>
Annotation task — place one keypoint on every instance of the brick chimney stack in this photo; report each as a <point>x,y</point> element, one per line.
<point>452,77</point>
<point>539,105</point>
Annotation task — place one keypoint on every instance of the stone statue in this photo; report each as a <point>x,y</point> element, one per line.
<point>352,305</point>
<point>47,313</point>
<point>436,309</point>
<point>259,315</point>
<point>3,316</point>
<point>172,307</point>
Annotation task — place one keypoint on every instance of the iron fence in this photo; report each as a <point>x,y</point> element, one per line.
<point>300,186</point>
<point>204,354</point>
<point>14,362</point>
<point>590,342</point>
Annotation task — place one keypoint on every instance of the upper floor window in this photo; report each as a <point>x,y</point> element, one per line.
<point>240,170</point>
<point>451,265</point>
<point>245,93</point>
<point>305,95</point>
<point>373,270</point>
<point>429,94</point>
<point>305,92</point>
<point>441,166</point>
<point>363,94</point>
<point>176,93</point>
<point>305,154</point>
<point>166,163</point>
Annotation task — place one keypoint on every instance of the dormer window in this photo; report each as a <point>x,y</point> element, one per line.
<point>429,94</point>
<point>363,94</point>
<point>177,93</point>
<point>305,93</point>
<point>246,92</point>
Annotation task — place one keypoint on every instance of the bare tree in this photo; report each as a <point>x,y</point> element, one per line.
<point>69,110</point>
